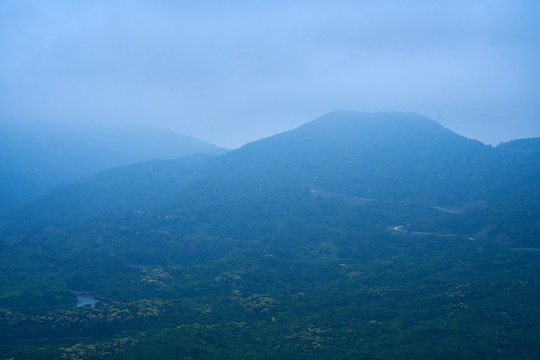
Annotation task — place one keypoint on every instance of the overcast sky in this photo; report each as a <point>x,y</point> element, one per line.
<point>230,72</point>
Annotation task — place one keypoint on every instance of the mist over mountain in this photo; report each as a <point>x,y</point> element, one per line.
<point>390,157</point>
<point>120,189</point>
<point>389,233</point>
<point>385,227</point>
<point>373,155</point>
<point>35,157</point>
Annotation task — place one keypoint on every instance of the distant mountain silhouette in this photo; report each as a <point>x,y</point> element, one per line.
<point>393,157</point>
<point>35,157</point>
<point>120,189</point>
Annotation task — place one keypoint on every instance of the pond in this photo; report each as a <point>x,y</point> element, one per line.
<point>88,298</point>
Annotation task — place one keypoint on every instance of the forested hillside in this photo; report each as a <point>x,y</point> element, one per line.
<point>35,157</point>
<point>357,235</point>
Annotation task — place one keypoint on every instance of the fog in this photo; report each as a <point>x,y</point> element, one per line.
<point>233,72</point>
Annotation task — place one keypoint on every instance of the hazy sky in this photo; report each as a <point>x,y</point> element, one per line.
<point>230,72</point>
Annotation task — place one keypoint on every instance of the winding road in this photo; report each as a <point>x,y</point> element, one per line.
<point>400,229</point>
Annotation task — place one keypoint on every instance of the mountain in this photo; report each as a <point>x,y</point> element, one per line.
<point>531,145</point>
<point>392,158</point>
<point>356,235</point>
<point>35,157</point>
<point>389,156</point>
<point>398,158</point>
<point>382,155</point>
<point>120,189</point>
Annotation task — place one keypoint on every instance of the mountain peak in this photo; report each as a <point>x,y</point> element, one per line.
<point>346,128</point>
<point>373,120</point>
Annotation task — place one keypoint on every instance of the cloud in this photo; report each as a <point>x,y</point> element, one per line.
<point>236,71</point>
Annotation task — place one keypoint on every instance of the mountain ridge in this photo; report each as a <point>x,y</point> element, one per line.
<point>422,245</point>
<point>528,145</point>
<point>36,157</point>
<point>368,155</point>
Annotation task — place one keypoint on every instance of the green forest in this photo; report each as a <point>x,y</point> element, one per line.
<point>355,236</point>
